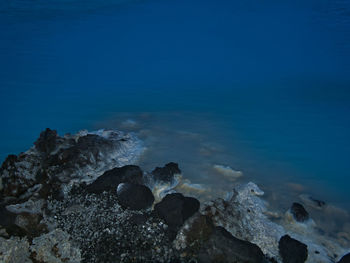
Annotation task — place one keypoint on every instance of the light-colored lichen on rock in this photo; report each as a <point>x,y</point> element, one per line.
<point>55,247</point>
<point>14,250</point>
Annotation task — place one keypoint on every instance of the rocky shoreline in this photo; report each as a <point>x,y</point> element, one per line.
<point>80,198</point>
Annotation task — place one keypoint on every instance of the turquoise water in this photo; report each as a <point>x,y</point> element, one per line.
<point>263,86</point>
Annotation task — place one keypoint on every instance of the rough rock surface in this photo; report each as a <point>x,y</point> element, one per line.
<point>106,232</point>
<point>60,202</point>
<point>134,196</point>
<point>14,250</point>
<point>243,215</point>
<point>292,251</point>
<point>299,212</point>
<point>55,161</point>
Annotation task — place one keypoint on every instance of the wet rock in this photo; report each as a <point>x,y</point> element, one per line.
<point>175,208</point>
<point>345,259</point>
<point>166,173</point>
<point>223,247</point>
<point>291,250</point>
<point>134,196</point>
<point>299,212</point>
<point>312,202</point>
<point>112,178</point>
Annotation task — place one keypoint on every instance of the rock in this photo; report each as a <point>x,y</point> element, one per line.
<point>194,232</point>
<point>223,247</point>
<point>47,142</point>
<point>134,196</point>
<point>8,221</point>
<point>14,250</point>
<point>299,212</point>
<point>55,247</point>
<point>54,162</point>
<point>112,178</point>
<point>244,216</point>
<point>291,250</point>
<point>312,202</point>
<point>163,180</point>
<point>175,208</point>
<point>31,224</point>
<point>345,259</point>
<point>166,173</point>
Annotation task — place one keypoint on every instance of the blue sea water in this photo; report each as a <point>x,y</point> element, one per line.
<point>267,84</point>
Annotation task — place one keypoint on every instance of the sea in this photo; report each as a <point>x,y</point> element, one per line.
<point>261,88</point>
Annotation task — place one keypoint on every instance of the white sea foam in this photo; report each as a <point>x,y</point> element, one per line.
<point>227,171</point>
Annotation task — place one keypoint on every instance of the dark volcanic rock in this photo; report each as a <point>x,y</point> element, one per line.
<point>299,212</point>
<point>223,247</point>
<point>47,142</point>
<point>85,151</point>
<point>345,259</point>
<point>134,196</point>
<point>166,173</point>
<point>112,178</point>
<point>175,208</point>
<point>291,250</point>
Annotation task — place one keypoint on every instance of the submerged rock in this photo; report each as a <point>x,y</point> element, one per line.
<point>299,212</point>
<point>292,250</point>
<point>112,178</point>
<point>312,202</point>
<point>134,196</point>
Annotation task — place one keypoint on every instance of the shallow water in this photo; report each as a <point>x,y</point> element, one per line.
<point>262,88</point>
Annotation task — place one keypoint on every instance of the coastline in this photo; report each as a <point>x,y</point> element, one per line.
<point>61,201</point>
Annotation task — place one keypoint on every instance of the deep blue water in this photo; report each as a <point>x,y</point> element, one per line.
<point>273,77</point>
